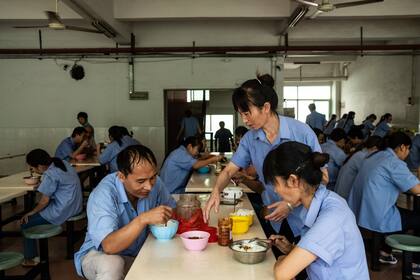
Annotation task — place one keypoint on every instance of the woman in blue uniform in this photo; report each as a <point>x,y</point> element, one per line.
<point>334,147</point>
<point>256,101</point>
<point>352,164</point>
<point>383,128</point>
<point>119,141</point>
<point>178,165</point>
<point>61,196</point>
<point>331,246</point>
<point>381,178</point>
<point>368,125</point>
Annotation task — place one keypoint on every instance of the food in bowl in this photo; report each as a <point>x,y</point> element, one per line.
<point>249,247</point>
<point>31,180</point>
<point>249,251</point>
<point>165,231</point>
<point>245,213</point>
<point>198,242</point>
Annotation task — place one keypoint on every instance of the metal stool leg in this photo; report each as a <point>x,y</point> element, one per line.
<point>70,239</point>
<point>375,248</point>
<point>407,265</point>
<point>43,254</point>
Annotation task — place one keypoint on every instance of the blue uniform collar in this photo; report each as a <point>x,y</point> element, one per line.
<point>391,151</point>
<point>315,206</point>
<point>284,133</point>
<point>122,195</point>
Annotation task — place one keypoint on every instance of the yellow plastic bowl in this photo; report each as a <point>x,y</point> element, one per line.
<point>240,224</point>
<point>250,218</point>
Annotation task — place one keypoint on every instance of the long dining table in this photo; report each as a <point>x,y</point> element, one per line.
<point>161,260</point>
<point>204,183</point>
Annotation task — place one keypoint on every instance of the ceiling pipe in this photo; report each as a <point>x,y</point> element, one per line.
<point>214,50</point>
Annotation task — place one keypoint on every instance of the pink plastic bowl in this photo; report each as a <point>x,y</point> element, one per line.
<point>81,157</point>
<point>195,244</point>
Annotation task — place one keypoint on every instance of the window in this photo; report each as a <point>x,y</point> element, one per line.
<point>212,123</point>
<point>299,97</point>
<point>197,95</point>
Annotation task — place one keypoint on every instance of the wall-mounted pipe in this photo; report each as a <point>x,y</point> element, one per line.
<point>315,79</point>
<point>215,50</point>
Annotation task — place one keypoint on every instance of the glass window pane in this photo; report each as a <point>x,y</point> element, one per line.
<point>314,92</point>
<point>290,92</point>
<point>290,104</point>
<point>212,123</point>
<point>323,107</point>
<point>303,110</point>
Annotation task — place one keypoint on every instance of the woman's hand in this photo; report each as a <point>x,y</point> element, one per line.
<point>282,243</point>
<point>281,210</point>
<point>214,201</point>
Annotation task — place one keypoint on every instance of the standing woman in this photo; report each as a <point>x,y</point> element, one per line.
<point>257,103</point>
<point>351,166</point>
<point>329,126</point>
<point>331,246</point>
<point>373,196</point>
<point>383,128</point>
<point>61,196</point>
<point>178,165</point>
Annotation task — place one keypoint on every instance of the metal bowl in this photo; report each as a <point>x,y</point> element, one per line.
<point>250,257</point>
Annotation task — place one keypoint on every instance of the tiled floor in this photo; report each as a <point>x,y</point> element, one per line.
<point>62,269</point>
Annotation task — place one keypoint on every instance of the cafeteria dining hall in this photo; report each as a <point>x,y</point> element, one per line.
<point>190,139</point>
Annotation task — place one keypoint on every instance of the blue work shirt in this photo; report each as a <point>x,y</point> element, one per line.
<point>253,149</point>
<point>65,193</point>
<point>375,191</point>
<point>109,155</point>
<point>190,126</point>
<point>413,159</point>
<point>368,126</point>
<point>348,173</point>
<point>331,233</point>
<point>176,170</point>
<point>65,149</point>
<point>109,210</point>
<point>381,129</point>
<point>316,120</point>
<point>345,124</point>
<point>330,127</point>
<point>337,157</point>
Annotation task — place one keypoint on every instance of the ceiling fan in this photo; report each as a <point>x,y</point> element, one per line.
<point>55,22</point>
<point>326,6</point>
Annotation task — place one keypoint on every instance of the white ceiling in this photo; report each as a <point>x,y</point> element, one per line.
<point>139,10</point>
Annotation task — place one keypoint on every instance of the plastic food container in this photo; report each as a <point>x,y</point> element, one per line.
<point>195,240</point>
<point>203,170</point>
<point>245,213</point>
<point>162,232</point>
<point>240,224</point>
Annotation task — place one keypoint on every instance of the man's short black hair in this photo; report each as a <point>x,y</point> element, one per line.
<point>78,131</point>
<point>82,115</point>
<point>132,155</point>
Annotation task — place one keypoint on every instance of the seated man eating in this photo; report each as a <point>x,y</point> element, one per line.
<point>119,211</point>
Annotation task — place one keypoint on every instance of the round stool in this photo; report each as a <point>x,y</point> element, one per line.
<point>409,244</point>
<point>9,260</point>
<point>42,233</point>
<point>70,233</point>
